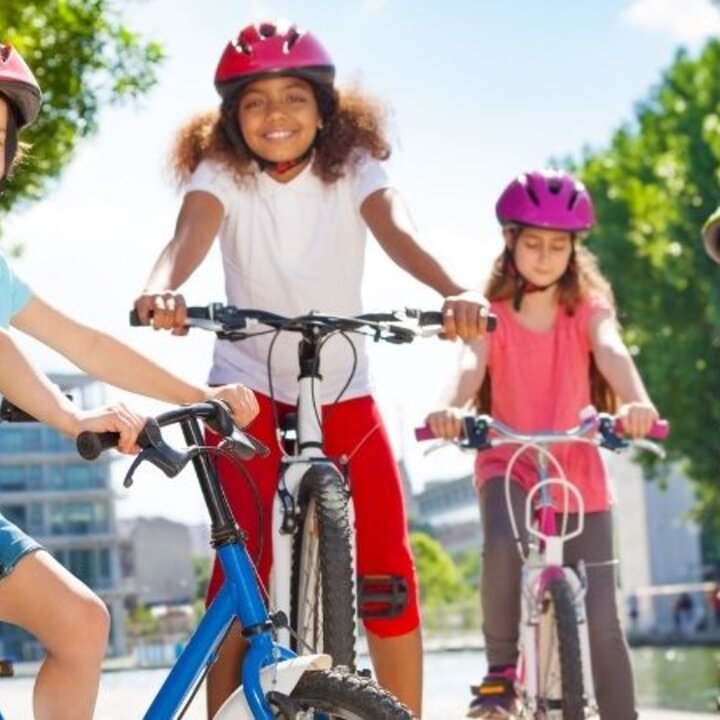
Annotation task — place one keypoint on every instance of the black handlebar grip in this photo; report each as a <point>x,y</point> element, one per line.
<point>91,444</point>
<point>201,313</point>
<point>434,317</point>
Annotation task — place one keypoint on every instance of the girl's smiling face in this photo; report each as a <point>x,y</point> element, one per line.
<point>279,117</point>
<point>542,255</point>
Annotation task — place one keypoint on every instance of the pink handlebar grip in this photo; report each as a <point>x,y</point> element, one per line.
<point>424,433</point>
<point>659,431</point>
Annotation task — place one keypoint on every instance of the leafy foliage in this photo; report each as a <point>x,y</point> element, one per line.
<point>439,578</point>
<point>653,187</point>
<point>83,57</point>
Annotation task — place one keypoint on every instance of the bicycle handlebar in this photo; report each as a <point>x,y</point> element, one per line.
<point>476,433</point>
<point>214,413</point>
<point>232,323</point>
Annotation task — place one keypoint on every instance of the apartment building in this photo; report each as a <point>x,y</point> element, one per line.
<point>67,503</point>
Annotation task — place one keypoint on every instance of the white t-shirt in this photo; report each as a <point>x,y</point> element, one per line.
<point>291,248</point>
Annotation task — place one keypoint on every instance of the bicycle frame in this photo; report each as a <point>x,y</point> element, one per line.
<point>548,565</point>
<point>310,447</point>
<point>268,665</point>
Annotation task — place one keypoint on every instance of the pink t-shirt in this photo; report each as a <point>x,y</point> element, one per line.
<point>540,381</point>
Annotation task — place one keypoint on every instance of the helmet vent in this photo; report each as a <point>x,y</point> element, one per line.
<point>555,186</point>
<point>246,39</point>
<point>573,199</point>
<point>267,30</point>
<point>4,52</point>
<point>292,36</point>
<point>531,192</point>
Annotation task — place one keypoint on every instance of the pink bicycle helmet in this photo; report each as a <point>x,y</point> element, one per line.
<point>18,84</point>
<point>551,199</point>
<point>270,49</point>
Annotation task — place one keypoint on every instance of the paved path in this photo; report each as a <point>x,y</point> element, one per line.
<point>126,696</point>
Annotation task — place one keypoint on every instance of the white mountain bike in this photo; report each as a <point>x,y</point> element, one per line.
<point>313,517</point>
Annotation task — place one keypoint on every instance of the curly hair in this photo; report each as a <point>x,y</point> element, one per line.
<point>358,122</point>
<point>582,280</point>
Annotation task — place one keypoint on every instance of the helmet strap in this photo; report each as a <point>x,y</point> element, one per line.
<point>282,167</point>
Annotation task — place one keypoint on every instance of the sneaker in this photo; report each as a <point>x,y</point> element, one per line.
<point>495,697</point>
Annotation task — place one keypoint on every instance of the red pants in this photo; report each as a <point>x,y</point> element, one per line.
<point>355,429</point>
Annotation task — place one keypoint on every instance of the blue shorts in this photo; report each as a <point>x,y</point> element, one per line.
<point>14,545</point>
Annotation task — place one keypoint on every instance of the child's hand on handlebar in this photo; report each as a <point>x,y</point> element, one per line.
<point>164,310</point>
<point>113,418</point>
<point>241,400</point>
<point>465,316</point>
<point>446,423</point>
<point>637,418</point>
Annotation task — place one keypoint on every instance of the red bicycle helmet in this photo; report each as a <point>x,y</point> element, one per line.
<point>19,85</point>
<point>270,49</point>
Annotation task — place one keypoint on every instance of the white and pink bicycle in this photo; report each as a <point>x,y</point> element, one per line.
<point>554,675</point>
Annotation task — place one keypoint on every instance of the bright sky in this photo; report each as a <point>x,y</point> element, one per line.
<point>478,92</point>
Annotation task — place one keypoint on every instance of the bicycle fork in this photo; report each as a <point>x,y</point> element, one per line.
<point>535,583</point>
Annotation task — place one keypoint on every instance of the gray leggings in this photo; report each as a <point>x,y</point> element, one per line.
<point>501,596</point>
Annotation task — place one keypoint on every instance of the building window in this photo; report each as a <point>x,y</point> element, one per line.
<point>22,438</point>
<point>92,566</point>
<point>14,478</point>
<point>75,477</point>
<point>16,514</point>
<point>78,518</point>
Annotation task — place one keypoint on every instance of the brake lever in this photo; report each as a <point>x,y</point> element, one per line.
<point>651,446</point>
<point>157,452</point>
<point>244,446</point>
<point>610,440</point>
<point>233,335</point>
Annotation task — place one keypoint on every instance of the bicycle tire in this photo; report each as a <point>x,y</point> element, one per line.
<point>337,694</point>
<point>323,604</point>
<point>560,678</point>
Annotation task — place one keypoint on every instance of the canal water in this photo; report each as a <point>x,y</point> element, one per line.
<point>671,679</point>
<point>686,678</point>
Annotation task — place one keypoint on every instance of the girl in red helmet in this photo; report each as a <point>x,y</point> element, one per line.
<point>288,175</point>
<point>73,624</point>
<point>557,350</point>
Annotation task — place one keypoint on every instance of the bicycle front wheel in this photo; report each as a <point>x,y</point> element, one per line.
<point>560,679</point>
<point>323,582</point>
<point>335,694</point>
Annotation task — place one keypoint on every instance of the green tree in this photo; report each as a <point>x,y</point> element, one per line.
<point>469,564</point>
<point>140,621</point>
<point>83,57</point>
<point>653,187</point>
<point>201,565</point>
<point>439,578</point>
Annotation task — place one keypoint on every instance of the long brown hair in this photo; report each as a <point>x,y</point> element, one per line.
<point>581,280</point>
<point>357,123</point>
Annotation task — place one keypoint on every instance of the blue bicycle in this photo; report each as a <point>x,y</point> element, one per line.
<point>276,683</point>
